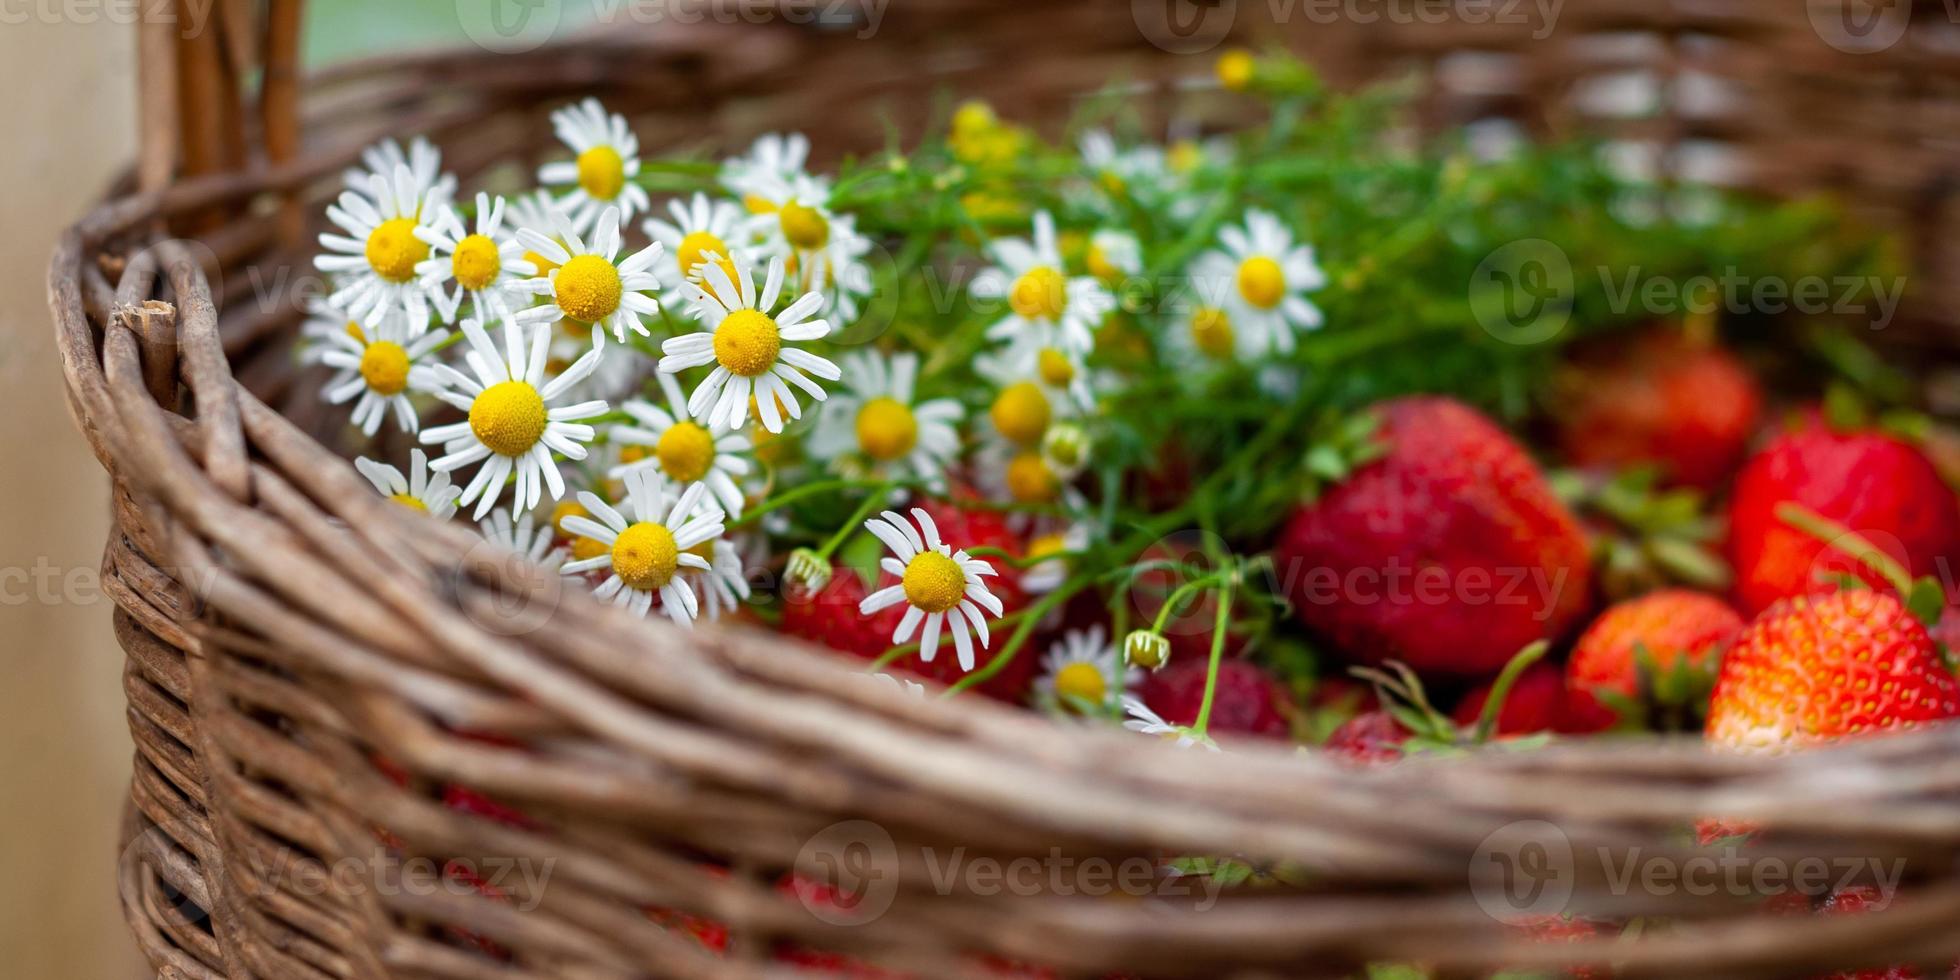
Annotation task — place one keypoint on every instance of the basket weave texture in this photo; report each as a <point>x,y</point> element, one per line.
<point>293,641</point>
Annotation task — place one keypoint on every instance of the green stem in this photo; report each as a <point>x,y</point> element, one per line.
<point>1499,691</point>
<point>1033,617</point>
<point>871,502</point>
<point>1184,592</point>
<point>1217,654</point>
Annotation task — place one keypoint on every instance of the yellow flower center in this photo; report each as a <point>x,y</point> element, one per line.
<point>973,117</point>
<point>588,289</point>
<point>384,366</point>
<point>354,330</point>
<point>1046,545</point>
<point>1211,332</point>
<point>804,227</point>
<point>1112,183</point>
<point>476,262</point>
<point>633,454</point>
<point>934,582</point>
<point>601,172</point>
<point>544,265</point>
<point>693,249</point>
<point>1054,367</point>
<point>1029,480</point>
<point>1040,294</point>
<point>393,250</point>
<point>508,418</point>
<point>1021,413</point>
<point>685,451</point>
<point>410,501</point>
<point>1101,267</point>
<point>1081,680</point>
<point>886,428</point>
<point>747,342</point>
<point>1261,282</point>
<point>757,204</point>
<point>1236,68</point>
<point>644,556</point>
<point>566,508</point>
<point>1184,156</point>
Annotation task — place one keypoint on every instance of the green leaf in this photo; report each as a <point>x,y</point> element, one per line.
<point>1926,600</point>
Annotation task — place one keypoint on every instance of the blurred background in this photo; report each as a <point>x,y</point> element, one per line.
<point>64,746</point>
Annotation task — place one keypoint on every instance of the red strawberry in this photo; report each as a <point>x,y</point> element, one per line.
<point>1661,399</point>
<point>1873,483</point>
<point>1247,700</point>
<point>1820,668</point>
<point>1372,738</point>
<point>1661,649</point>
<point>1449,552</point>
<point>1537,703</point>
<point>831,617</point>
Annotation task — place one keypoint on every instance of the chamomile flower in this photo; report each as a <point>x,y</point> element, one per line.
<point>682,449</point>
<point>512,425</point>
<point>1045,305</point>
<point>1114,256</point>
<point>1260,277</point>
<point>1027,367</point>
<point>723,586</point>
<point>601,177</point>
<point>423,160</point>
<point>1050,553</point>
<point>937,584</point>
<point>1022,475</point>
<point>525,537</point>
<point>747,347</point>
<point>702,230</point>
<point>485,264</point>
<point>822,250</point>
<point>375,262</point>
<point>773,165</point>
<point>323,323</point>
<point>418,491</point>
<point>1136,171</point>
<point>587,283</point>
<point>1149,722</point>
<point>647,554</point>
<point>875,427</point>
<point>1082,672</point>
<point>379,367</point>
<point>1202,336</point>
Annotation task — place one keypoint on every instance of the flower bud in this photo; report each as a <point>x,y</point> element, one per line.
<point>805,572</point>
<point>1065,447</point>
<point>1145,648</point>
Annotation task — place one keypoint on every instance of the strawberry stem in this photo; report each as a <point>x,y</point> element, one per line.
<point>1835,535</point>
<point>1499,691</point>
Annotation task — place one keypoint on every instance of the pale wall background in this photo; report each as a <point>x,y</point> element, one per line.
<point>64,748</point>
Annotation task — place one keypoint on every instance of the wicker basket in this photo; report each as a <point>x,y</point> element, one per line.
<point>286,629</point>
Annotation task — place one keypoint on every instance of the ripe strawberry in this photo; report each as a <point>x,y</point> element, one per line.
<point>1449,552</point>
<point>1537,703</point>
<point>1868,481</point>
<point>831,617</point>
<point>1372,738</point>
<point>1247,700</point>
<point>1861,900</point>
<point>1663,399</point>
<point>1819,668</point>
<point>1658,651</point>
